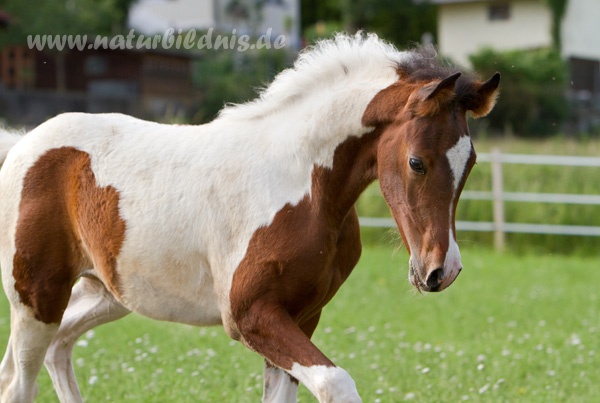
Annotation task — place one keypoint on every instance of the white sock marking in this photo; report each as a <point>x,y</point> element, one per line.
<point>328,384</point>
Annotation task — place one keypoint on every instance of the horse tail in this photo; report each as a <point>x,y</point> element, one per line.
<point>7,140</point>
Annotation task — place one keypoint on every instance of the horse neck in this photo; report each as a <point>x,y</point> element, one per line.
<point>320,135</point>
<point>336,190</point>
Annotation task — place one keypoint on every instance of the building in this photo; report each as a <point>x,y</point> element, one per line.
<point>580,45</point>
<point>143,83</point>
<point>465,26</point>
<point>281,17</point>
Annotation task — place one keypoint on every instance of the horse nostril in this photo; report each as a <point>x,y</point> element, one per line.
<point>434,279</point>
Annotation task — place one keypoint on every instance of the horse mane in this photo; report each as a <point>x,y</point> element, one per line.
<point>326,62</point>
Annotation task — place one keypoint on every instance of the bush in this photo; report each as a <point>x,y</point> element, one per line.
<point>532,102</point>
<point>228,76</point>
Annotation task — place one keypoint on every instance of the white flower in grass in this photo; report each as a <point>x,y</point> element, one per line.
<point>82,343</point>
<point>480,358</point>
<point>139,340</point>
<point>131,369</point>
<point>379,392</point>
<point>90,334</point>
<point>498,383</point>
<point>328,330</point>
<point>80,362</point>
<point>93,380</point>
<point>574,340</point>
<point>409,396</point>
<point>480,367</point>
<point>465,397</point>
<point>484,388</point>
<point>425,370</point>
<point>551,373</point>
<point>179,370</point>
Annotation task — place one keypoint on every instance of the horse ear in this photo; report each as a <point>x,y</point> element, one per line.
<point>485,98</point>
<point>445,86</point>
<point>428,100</point>
<point>385,107</point>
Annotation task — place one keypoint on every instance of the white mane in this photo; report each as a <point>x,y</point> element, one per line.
<point>323,65</point>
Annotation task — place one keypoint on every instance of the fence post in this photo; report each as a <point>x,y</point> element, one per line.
<point>497,190</point>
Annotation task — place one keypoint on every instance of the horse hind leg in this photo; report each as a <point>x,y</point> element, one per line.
<point>21,365</point>
<point>91,305</point>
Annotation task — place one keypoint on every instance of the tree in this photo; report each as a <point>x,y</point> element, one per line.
<point>63,17</point>
<point>399,21</point>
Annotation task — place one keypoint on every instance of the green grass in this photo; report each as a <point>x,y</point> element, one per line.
<point>512,328</point>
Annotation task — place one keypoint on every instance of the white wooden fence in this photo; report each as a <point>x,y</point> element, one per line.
<point>499,196</point>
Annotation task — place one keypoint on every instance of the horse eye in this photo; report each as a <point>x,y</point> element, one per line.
<point>417,165</point>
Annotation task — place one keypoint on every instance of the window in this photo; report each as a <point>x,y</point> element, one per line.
<point>499,12</point>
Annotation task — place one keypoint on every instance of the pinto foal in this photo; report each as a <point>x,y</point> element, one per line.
<point>248,221</point>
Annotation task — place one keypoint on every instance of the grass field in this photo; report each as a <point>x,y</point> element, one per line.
<point>512,328</point>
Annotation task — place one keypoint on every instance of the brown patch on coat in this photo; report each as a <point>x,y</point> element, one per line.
<point>65,220</point>
<point>294,266</point>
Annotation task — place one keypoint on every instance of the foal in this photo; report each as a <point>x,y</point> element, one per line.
<point>248,221</point>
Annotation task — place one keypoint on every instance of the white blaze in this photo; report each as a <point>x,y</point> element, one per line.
<point>457,156</point>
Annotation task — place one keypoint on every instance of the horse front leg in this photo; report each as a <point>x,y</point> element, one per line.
<point>267,328</point>
<point>279,386</point>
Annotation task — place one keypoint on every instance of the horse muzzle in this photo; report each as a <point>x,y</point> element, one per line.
<point>434,281</point>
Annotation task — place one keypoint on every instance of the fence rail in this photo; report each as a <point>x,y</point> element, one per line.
<point>499,196</point>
